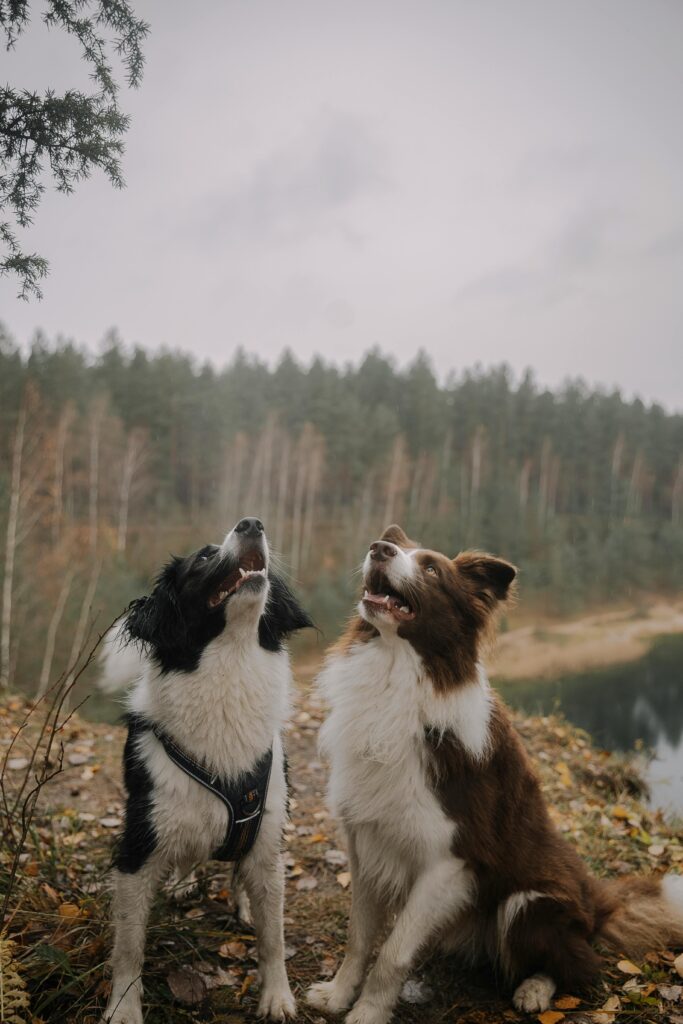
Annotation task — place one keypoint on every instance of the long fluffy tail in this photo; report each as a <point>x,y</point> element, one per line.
<point>639,914</point>
<point>120,663</point>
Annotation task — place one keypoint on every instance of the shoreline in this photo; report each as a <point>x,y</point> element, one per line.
<point>598,640</point>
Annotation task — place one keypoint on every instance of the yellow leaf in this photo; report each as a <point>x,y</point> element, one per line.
<point>344,877</point>
<point>318,838</point>
<point>69,910</point>
<point>619,812</point>
<point>567,1003</point>
<point>550,1017</point>
<point>627,967</point>
<point>564,773</point>
<point>612,1004</point>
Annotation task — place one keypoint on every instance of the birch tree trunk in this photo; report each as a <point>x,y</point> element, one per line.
<point>314,473</point>
<point>79,635</point>
<point>10,551</point>
<point>299,487</point>
<point>130,466</point>
<point>281,513</point>
<point>96,417</point>
<point>65,421</point>
<point>394,481</point>
<point>51,637</point>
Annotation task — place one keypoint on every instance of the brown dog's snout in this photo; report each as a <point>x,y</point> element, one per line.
<point>382,550</point>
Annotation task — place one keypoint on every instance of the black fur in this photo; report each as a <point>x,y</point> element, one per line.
<point>283,615</point>
<point>175,624</point>
<point>138,839</point>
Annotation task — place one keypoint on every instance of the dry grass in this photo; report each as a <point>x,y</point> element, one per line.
<point>59,906</point>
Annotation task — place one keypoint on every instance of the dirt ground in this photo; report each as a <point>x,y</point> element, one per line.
<point>201,962</point>
<point>607,638</point>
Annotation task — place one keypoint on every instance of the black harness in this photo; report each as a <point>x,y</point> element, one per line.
<point>244,798</point>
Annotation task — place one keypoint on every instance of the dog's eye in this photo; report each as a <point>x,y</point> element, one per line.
<point>431,570</point>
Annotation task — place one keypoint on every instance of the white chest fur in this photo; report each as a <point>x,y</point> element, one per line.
<point>226,714</point>
<point>381,704</point>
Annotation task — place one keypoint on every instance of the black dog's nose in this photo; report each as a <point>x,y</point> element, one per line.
<point>250,527</point>
<point>381,550</point>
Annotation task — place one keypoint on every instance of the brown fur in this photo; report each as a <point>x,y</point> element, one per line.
<point>504,831</point>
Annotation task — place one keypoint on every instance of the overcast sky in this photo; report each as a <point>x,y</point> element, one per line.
<point>491,181</point>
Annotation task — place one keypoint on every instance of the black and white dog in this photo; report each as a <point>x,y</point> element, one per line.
<point>204,766</point>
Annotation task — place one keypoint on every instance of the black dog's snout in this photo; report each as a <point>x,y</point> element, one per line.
<point>250,527</point>
<point>381,550</point>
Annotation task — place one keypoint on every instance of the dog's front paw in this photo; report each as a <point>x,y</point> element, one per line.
<point>330,996</point>
<point>534,994</point>
<point>123,1009</point>
<point>365,1012</point>
<point>277,1002</point>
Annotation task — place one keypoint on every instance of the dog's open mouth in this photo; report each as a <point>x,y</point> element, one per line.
<point>382,598</point>
<point>251,569</point>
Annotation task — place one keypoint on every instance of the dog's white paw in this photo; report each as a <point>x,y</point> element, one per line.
<point>365,1012</point>
<point>125,1009</point>
<point>534,994</point>
<point>330,996</point>
<point>277,1002</point>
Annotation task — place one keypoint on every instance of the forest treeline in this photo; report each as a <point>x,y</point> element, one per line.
<point>110,462</point>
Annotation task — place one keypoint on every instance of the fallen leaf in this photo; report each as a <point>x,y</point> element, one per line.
<point>187,985</point>
<point>233,950</point>
<point>344,878</point>
<point>307,882</point>
<point>550,1017</point>
<point>672,993</point>
<point>69,910</point>
<point>678,965</point>
<point>246,985</point>
<point>627,967</point>
<point>76,759</point>
<point>336,858</point>
<point>111,822</point>
<point>620,812</point>
<point>565,777</point>
<point>319,837</point>
<point>567,1003</point>
<point>15,764</point>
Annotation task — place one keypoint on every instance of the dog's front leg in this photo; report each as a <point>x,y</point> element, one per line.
<point>263,876</point>
<point>367,916</point>
<point>133,895</point>
<point>438,895</point>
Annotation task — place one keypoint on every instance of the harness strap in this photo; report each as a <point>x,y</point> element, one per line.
<point>244,798</point>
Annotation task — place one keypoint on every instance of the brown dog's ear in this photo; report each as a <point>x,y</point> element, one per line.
<point>395,535</point>
<point>491,577</point>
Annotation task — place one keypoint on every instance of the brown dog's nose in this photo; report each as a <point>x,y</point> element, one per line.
<point>381,550</point>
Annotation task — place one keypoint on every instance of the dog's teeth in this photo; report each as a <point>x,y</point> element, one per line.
<point>242,572</point>
<point>405,608</point>
<point>386,599</point>
<point>223,594</point>
<point>365,594</point>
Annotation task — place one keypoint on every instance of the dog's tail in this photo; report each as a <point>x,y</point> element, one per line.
<point>120,663</point>
<point>639,914</point>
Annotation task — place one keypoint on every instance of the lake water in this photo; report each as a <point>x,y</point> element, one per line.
<point>621,705</point>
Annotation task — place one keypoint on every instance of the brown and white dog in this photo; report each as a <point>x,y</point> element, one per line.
<point>448,833</point>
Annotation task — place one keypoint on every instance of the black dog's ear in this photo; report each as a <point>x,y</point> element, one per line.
<point>157,620</point>
<point>283,615</point>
